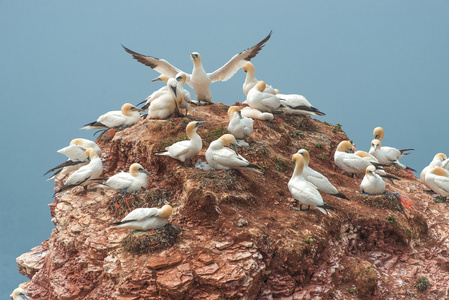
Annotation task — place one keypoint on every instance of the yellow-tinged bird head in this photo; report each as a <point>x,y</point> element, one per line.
<point>192,127</point>
<point>260,86</point>
<point>166,211</point>
<point>378,133</point>
<point>305,154</point>
<point>19,293</point>
<point>345,146</point>
<point>362,154</point>
<point>181,77</point>
<point>128,107</point>
<point>376,144</point>
<point>160,78</point>
<point>439,171</point>
<point>277,91</point>
<point>232,110</point>
<point>440,156</point>
<point>78,141</point>
<point>229,139</point>
<point>90,153</point>
<point>195,57</point>
<point>299,163</point>
<point>248,67</point>
<point>136,168</point>
<point>370,170</point>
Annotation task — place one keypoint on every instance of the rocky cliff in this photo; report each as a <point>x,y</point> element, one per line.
<point>236,235</point>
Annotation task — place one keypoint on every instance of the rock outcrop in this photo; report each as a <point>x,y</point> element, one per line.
<point>239,236</point>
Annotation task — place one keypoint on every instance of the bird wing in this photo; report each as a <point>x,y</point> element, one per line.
<point>228,158</point>
<point>112,119</point>
<point>160,65</point>
<point>119,181</point>
<point>79,176</point>
<point>305,194</point>
<point>354,162</point>
<point>140,214</point>
<point>74,152</point>
<point>237,61</point>
<point>179,148</point>
<point>442,182</point>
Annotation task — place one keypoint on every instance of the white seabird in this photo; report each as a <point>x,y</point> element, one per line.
<point>156,94</point>
<point>86,174</point>
<point>199,80</point>
<point>128,115</point>
<point>222,158</point>
<point>167,104</point>
<point>240,127</point>
<point>388,155</point>
<point>130,182</point>
<point>372,183</point>
<point>250,80</point>
<point>437,161</point>
<point>302,190</point>
<point>346,160</point>
<point>19,294</point>
<point>248,112</point>
<point>297,105</point>
<point>146,218</point>
<point>181,78</point>
<point>438,180</point>
<point>186,150</point>
<point>318,179</point>
<point>76,156</point>
<point>379,170</point>
<point>265,102</point>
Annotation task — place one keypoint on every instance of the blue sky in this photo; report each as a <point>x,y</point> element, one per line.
<point>365,64</point>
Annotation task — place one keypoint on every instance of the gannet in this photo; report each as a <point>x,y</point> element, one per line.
<point>240,127</point>
<point>302,190</point>
<point>199,80</point>
<point>372,183</point>
<point>437,161</point>
<point>253,113</point>
<point>264,102</point>
<point>387,155</point>
<point>163,90</point>
<point>379,170</point>
<point>221,158</point>
<point>297,105</point>
<point>86,174</point>
<point>130,182</point>
<point>146,218</point>
<point>438,180</point>
<point>181,78</point>
<point>76,156</point>
<point>167,104</point>
<point>19,294</point>
<point>128,115</point>
<point>318,179</point>
<point>186,149</point>
<point>250,80</point>
<point>348,161</point>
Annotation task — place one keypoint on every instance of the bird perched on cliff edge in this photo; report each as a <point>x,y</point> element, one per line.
<point>86,174</point>
<point>128,182</point>
<point>438,180</point>
<point>19,294</point>
<point>76,156</point>
<point>439,160</point>
<point>128,115</point>
<point>250,80</point>
<point>388,155</point>
<point>186,150</point>
<point>372,184</point>
<point>167,104</point>
<point>346,160</point>
<point>303,191</point>
<point>199,80</point>
<point>146,218</point>
<point>265,102</point>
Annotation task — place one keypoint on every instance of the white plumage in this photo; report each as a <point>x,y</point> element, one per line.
<point>166,104</point>
<point>250,80</point>
<point>302,190</point>
<point>240,127</point>
<point>438,160</point>
<point>265,102</point>
<point>19,294</point>
<point>130,182</point>
<point>348,161</point>
<point>372,183</point>
<point>387,155</point>
<point>199,80</point>
<point>438,180</point>
<point>146,218</point>
<point>318,179</point>
<point>128,115</point>
<point>220,157</point>
<point>253,113</point>
<point>297,105</point>
<point>185,150</point>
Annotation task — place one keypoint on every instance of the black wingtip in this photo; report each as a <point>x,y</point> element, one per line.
<point>340,195</point>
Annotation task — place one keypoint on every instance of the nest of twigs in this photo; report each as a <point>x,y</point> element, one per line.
<point>142,242</point>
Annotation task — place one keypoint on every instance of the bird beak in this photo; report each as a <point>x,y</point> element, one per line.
<point>240,114</point>
<point>178,78</point>
<point>349,151</point>
<point>173,88</point>
<point>145,171</point>
<point>234,147</point>
<point>156,79</point>
<point>200,123</point>
<point>137,109</point>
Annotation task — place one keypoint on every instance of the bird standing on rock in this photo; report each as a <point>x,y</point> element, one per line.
<point>240,127</point>
<point>128,115</point>
<point>130,182</point>
<point>303,191</point>
<point>199,80</point>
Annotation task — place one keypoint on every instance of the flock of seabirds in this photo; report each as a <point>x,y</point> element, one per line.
<point>84,165</point>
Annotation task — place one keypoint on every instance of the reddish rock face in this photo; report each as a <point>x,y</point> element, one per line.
<point>240,237</point>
